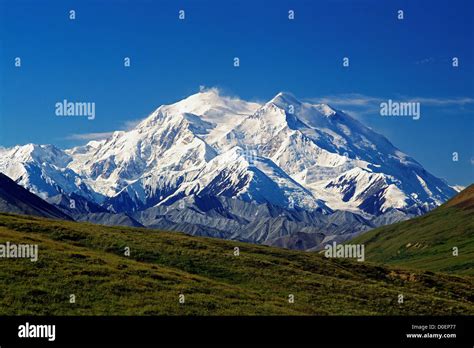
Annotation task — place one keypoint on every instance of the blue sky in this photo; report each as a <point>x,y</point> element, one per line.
<point>82,60</point>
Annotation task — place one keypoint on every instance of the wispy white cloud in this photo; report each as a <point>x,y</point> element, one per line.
<point>89,136</point>
<point>127,125</point>
<point>350,99</point>
<point>460,101</point>
<point>361,103</point>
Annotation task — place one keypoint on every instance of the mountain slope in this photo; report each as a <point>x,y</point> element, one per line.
<point>226,217</point>
<point>427,242</point>
<point>81,209</point>
<point>16,199</point>
<point>88,261</point>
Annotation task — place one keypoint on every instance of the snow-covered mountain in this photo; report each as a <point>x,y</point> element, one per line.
<point>284,155</point>
<point>43,170</point>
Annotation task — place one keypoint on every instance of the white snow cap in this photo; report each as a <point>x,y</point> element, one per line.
<point>289,150</point>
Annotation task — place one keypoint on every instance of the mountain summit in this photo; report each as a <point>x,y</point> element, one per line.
<point>204,163</point>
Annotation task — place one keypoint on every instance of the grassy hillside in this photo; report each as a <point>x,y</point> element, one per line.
<point>88,261</point>
<point>427,242</point>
